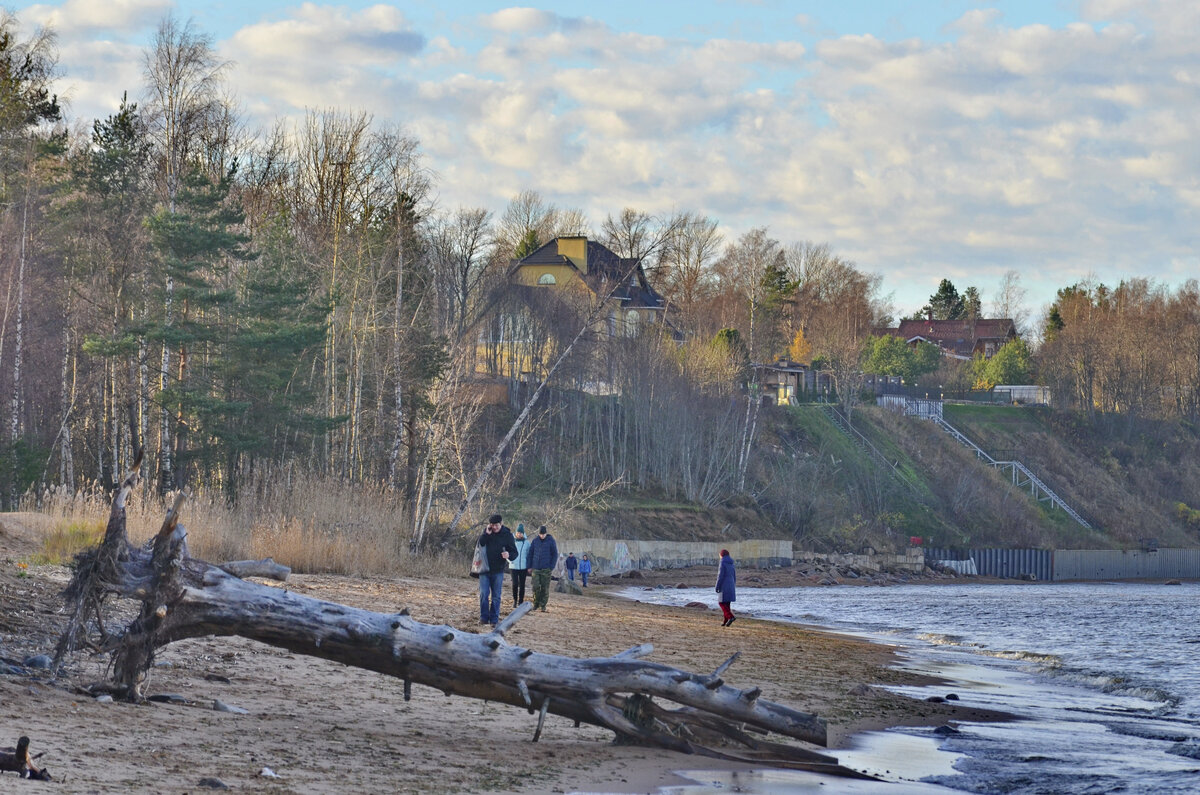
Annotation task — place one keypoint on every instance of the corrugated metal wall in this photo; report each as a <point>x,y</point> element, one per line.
<point>1078,564</point>
<point>1015,563</point>
<point>1008,563</point>
<point>1128,564</point>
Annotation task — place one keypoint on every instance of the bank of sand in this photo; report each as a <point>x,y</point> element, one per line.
<point>323,727</point>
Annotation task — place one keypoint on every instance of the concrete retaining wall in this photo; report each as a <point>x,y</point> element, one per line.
<point>612,557</point>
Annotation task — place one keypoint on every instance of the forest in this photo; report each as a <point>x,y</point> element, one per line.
<point>269,309</point>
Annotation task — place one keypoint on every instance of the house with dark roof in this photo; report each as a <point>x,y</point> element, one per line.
<point>958,339</point>
<point>567,262</point>
<point>568,271</point>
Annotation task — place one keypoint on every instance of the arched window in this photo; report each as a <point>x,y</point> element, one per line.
<point>547,278</point>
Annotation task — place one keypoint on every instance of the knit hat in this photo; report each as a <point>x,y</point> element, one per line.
<point>521,528</point>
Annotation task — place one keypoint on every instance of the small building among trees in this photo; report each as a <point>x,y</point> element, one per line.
<point>960,339</point>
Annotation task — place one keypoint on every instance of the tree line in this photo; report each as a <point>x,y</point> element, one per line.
<point>255,301</point>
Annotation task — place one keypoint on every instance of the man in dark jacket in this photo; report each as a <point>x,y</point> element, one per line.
<point>572,565</point>
<point>543,556</point>
<point>498,547</point>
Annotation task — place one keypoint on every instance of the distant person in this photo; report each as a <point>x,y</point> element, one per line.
<point>499,546</point>
<point>572,564</point>
<point>543,555</point>
<point>518,565</point>
<point>726,586</point>
<point>585,568</point>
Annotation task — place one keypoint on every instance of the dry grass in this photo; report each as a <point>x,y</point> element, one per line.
<point>309,523</point>
<point>67,539</point>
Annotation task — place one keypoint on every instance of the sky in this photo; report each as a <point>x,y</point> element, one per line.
<point>921,139</point>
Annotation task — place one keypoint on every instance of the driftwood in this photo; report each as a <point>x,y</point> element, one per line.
<point>184,597</point>
<point>18,760</point>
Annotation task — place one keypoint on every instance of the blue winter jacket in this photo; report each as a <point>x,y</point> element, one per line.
<point>521,560</point>
<point>585,566</point>
<point>543,552</point>
<point>727,580</point>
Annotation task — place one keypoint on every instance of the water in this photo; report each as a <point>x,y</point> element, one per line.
<point>1107,675</point>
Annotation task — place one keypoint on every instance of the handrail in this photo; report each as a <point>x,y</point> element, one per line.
<point>1036,483</point>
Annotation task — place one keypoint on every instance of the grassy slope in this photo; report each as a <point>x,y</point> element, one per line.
<point>973,504</point>
<point>1126,477</point>
<point>817,487</point>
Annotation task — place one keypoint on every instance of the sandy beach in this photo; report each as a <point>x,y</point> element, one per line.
<point>313,726</point>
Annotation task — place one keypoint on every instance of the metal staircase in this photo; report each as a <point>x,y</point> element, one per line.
<point>1021,475</point>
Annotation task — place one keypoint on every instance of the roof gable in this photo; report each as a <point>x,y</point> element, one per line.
<point>604,267</point>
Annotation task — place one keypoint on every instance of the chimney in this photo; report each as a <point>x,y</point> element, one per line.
<point>931,314</point>
<point>574,248</point>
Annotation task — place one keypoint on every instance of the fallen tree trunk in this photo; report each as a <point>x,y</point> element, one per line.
<point>184,597</point>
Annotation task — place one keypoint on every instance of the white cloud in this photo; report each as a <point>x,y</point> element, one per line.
<point>520,20</point>
<point>81,17</point>
<point>330,37</point>
<point>1053,150</point>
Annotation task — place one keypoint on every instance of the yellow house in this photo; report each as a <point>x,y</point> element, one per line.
<point>574,262</point>
<point>564,265</point>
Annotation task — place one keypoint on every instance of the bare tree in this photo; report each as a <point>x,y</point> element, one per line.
<point>528,218</point>
<point>638,235</point>
<point>1010,301</point>
<point>183,80</point>
<point>742,268</point>
<point>686,266</point>
<point>460,249</point>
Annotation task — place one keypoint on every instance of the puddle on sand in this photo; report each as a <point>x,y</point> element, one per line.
<point>900,760</point>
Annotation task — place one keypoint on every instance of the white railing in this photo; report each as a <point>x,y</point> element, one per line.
<point>1021,475</point>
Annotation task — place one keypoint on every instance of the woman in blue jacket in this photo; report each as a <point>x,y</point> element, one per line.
<point>726,586</point>
<point>585,568</point>
<point>518,565</point>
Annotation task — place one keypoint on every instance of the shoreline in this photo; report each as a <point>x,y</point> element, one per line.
<point>322,726</point>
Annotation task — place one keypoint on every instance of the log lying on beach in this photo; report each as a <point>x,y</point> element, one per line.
<point>184,597</point>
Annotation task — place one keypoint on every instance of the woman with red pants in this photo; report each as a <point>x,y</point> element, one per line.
<point>726,586</point>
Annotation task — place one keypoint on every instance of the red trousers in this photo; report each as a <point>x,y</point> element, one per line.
<point>725,609</point>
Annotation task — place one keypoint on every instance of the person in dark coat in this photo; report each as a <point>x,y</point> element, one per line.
<point>543,556</point>
<point>499,547</point>
<point>726,586</point>
<point>572,565</point>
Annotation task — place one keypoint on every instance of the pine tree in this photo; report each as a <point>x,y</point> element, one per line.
<point>103,244</point>
<point>946,303</point>
<point>527,244</point>
<point>245,329</point>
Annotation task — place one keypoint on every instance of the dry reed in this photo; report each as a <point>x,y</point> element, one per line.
<point>309,523</point>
